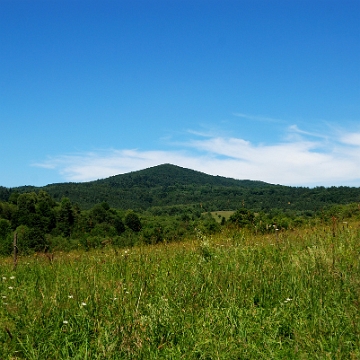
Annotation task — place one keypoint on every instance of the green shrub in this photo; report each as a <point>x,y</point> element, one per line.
<point>132,221</point>
<point>5,237</point>
<point>31,239</point>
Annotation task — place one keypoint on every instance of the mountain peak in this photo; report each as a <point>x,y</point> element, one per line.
<point>169,174</point>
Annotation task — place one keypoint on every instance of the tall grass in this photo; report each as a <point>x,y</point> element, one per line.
<point>231,296</point>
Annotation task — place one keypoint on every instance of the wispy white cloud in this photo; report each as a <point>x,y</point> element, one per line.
<point>299,161</point>
<point>351,139</point>
<point>295,129</point>
<point>257,117</point>
<point>296,163</point>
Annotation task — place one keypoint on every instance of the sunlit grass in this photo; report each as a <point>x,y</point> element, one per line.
<point>295,295</point>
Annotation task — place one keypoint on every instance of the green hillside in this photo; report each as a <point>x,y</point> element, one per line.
<point>169,185</point>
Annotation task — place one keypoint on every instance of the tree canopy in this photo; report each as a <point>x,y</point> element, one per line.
<point>169,186</point>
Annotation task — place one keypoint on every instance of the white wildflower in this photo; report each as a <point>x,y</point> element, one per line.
<point>4,278</point>
<point>71,296</point>
<point>10,287</point>
<point>287,300</point>
<point>65,322</point>
<point>12,277</point>
<point>83,304</point>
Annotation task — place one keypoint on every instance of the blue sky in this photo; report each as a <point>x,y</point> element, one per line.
<point>250,89</point>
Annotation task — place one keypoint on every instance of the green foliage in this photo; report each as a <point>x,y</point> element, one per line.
<point>26,210</point>
<point>208,224</point>
<point>4,193</point>
<point>31,239</point>
<point>119,225</point>
<point>242,218</point>
<point>46,224</point>
<point>7,210</point>
<point>104,230</point>
<point>5,237</point>
<point>13,197</point>
<point>132,221</point>
<point>65,217</point>
<point>98,213</point>
<point>5,228</point>
<point>153,233</point>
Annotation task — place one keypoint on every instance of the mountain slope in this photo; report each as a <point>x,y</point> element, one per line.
<point>168,185</point>
<point>169,175</point>
<point>162,185</point>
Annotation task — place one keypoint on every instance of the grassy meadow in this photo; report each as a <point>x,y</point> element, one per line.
<point>288,295</point>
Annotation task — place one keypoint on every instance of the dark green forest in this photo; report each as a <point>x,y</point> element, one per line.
<point>165,186</point>
<point>163,203</point>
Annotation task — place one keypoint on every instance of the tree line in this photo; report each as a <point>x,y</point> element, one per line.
<point>44,224</point>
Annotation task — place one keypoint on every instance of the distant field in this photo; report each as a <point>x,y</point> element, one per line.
<point>290,295</point>
<point>218,215</point>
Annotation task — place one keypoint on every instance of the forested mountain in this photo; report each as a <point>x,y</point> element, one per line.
<point>169,185</point>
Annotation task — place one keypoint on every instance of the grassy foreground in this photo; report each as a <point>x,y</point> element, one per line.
<point>234,296</point>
